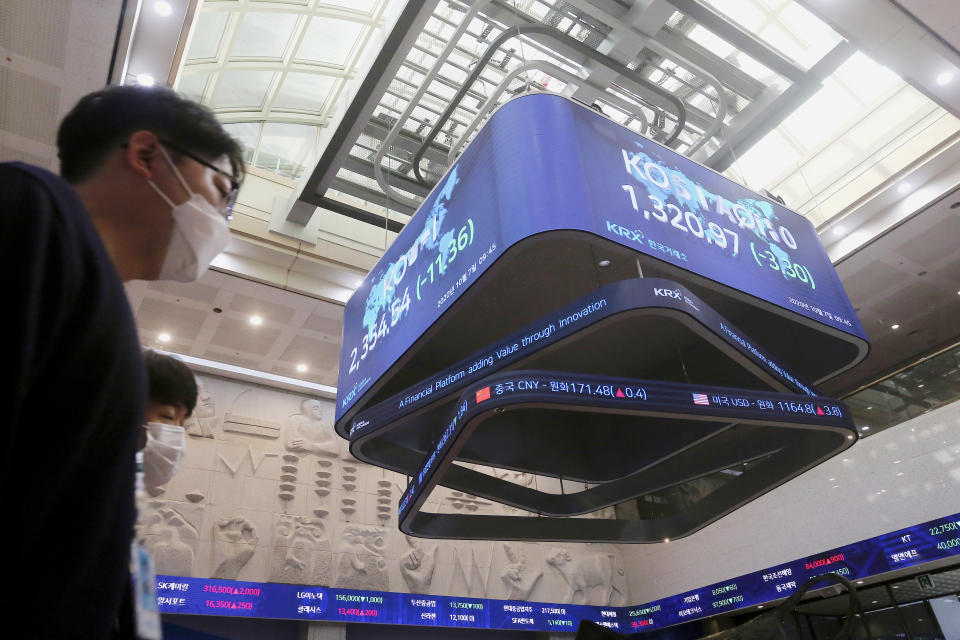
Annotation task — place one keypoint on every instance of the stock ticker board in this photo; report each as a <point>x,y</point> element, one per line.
<point>544,165</point>
<point>563,243</point>
<point>907,547</point>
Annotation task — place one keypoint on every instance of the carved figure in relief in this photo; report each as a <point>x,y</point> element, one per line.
<point>301,551</point>
<point>520,580</point>
<point>308,432</point>
<point>172,541</point>
<point>235,541</point>
<point>468,577</point>
<point>363,566</point>
<point>594,571</point>
<point>200,424</point>
<point>417,565</point>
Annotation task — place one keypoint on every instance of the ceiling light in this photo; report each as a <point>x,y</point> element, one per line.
<point>163,8</point>
<point>944,78</point>
<point>894,326</point>
<point>846,459</point>
<point>164,337</point>
<point>145,80</point>
<point>759,606</point>
<point>896,586</point>
<point>870,407</point>
<point>873,602</point>
<point>919,386</point>
<point>836,486</point>
<point>256,321</point>
<point>859,581</point>
<point>302,368</point>
<point>666,539</point>
<point>897,461</point>
<point>849,438</point>
<point>864,428</point>
<point>900,473</point>
<point>604,263</point>
<point>833,479</point>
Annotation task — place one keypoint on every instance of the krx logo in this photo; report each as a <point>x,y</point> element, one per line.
<point>667,293</point>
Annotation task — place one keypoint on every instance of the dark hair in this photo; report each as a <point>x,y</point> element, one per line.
<point>103,120</point>
<point>170,381</point>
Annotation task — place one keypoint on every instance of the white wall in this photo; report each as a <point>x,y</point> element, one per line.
<point>245,505</point>
<point>902,476</point>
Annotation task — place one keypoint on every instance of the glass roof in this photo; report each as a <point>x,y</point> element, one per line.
<point>273,70</point>
<point>860,129</point>
<point>286,62</point>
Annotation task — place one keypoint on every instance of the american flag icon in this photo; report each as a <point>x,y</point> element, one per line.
<point>701,398</point>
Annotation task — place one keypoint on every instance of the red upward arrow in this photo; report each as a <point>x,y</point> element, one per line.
<point>236,591</point>
<point>620,393</point>
<point>820,412</point>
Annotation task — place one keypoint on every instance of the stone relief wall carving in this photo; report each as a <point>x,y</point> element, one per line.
<point>172,539</point>
<point>417,565</point>
<point>362,564</point>
<point>235,542</point>
<point>301,551</point>
<point>519,578</point>
<point>291,505</point>
<point>585,573</point>
<point>204,417</point>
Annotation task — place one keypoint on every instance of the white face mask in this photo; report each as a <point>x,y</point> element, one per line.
<point>163,453</point>
<point>199,234</point>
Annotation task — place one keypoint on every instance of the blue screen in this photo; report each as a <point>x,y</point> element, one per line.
<point>543,163</point>
<point>896,550</point>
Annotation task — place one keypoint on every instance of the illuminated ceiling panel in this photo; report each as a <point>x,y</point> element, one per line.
<point>257,61</point>
<point>769,93</point>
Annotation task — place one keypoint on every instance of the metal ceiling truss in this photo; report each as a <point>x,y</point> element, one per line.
<point>450,63</point>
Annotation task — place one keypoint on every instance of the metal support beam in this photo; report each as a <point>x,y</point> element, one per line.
<point>371,195</point>
<point>752,129</point>
<point>409,24</point>
<point>654,94</point>
<point>740,39</point>
<point>732,77</point>
<point>365,168</point>
<point>377,128</point>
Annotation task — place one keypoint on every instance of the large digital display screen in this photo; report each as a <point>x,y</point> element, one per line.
<point>494,397</point>
<point>603,303</point>
<point>933,540</point>
<point>543,163</point>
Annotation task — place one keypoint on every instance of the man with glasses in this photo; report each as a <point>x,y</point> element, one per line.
<point>148,183</point>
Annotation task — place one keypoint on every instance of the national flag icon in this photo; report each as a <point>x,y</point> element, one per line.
<point>483,394</point>
<point>701,398</point>
<point>820,412</point>
<point>620,393</point>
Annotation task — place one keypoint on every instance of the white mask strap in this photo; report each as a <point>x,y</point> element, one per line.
<point>162,194</point>
<point>179,177</point>
<point>176,171</point>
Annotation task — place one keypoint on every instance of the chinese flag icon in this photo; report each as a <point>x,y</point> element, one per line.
<point>483,394</point>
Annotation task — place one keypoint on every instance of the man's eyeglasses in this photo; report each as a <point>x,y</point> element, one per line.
<point>229,198</point>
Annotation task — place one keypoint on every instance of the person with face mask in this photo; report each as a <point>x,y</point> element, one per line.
<point>147,182</point>
<point>171,399</point>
